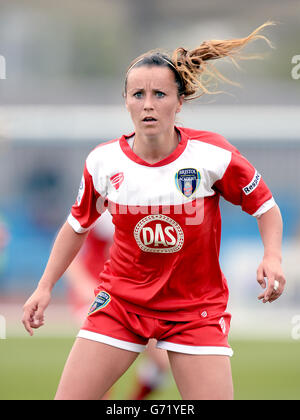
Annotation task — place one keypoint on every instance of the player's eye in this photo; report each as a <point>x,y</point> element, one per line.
<point>138,95</point>
<point>160,94</point>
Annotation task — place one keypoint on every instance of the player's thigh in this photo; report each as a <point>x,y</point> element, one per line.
<point>91,369</point>
<point>202,377</point>
<point>158,356</point>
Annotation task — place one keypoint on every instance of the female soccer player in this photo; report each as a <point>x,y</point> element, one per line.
<point>162,185</point>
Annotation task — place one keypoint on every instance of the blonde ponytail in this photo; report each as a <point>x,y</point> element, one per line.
<point>196,70</point>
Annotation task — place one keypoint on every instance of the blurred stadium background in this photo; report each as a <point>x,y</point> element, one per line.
<point>65,63</point>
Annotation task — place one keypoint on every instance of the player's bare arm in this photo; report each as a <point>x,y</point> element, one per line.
<point>270,227</point>
<point>65,248</point>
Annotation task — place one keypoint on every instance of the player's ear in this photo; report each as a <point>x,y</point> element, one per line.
<point>180,103</point>
<point>125,100</point>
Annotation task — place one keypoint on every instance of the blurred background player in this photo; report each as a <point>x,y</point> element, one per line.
<point>82,275</point>
<point>82,278</point>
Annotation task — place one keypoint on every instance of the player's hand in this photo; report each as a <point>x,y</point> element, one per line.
<point>34,308</point>
<point>270,269</point>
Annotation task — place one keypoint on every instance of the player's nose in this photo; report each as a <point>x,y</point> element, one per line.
<point>148,102</point>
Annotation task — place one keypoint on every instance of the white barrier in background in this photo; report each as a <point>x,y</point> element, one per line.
<point>98,123</point>
<point>2,68</point>
<point>2,327</point>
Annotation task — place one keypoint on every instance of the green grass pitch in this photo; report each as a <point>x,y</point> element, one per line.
<point>30,369</point>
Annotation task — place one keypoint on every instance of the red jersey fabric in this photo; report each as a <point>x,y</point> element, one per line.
<point>164,261</point>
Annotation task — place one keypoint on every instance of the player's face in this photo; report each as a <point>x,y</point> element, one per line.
<point>152,99</point>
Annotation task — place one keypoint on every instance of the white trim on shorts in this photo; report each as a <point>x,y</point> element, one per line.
<point>125,345</point>
<point>204,350</point>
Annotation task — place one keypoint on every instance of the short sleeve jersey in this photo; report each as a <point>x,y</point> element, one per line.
<point>164,261</point>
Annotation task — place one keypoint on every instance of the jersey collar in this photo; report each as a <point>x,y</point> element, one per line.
<point>168,159</point>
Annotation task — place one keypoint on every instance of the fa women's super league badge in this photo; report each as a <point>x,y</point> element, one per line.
<point>101,300</point>
<point>187,181</point>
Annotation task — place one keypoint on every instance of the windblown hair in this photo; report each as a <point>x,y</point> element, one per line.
<point>194,73</point>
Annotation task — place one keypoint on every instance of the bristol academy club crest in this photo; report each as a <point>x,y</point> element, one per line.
<point>187,181</point>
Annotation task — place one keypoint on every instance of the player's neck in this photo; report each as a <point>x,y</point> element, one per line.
<point>153,149</point>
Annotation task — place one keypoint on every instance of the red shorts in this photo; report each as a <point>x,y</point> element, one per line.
<point>110,323</point>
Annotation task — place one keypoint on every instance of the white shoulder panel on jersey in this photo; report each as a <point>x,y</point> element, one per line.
<point>126,182</point>
<point>99,161</point>
<point>213,159</point>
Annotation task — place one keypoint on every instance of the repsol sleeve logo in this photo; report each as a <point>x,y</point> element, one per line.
<point>159,234</point>
<point>253,184</point>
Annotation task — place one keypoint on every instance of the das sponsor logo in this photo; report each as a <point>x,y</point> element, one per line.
<point>159,234</point>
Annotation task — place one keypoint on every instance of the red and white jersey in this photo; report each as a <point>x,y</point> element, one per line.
<point>164,261</point>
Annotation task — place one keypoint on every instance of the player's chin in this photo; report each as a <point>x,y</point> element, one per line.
<point>150,126</point>
<point>151,130</point>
